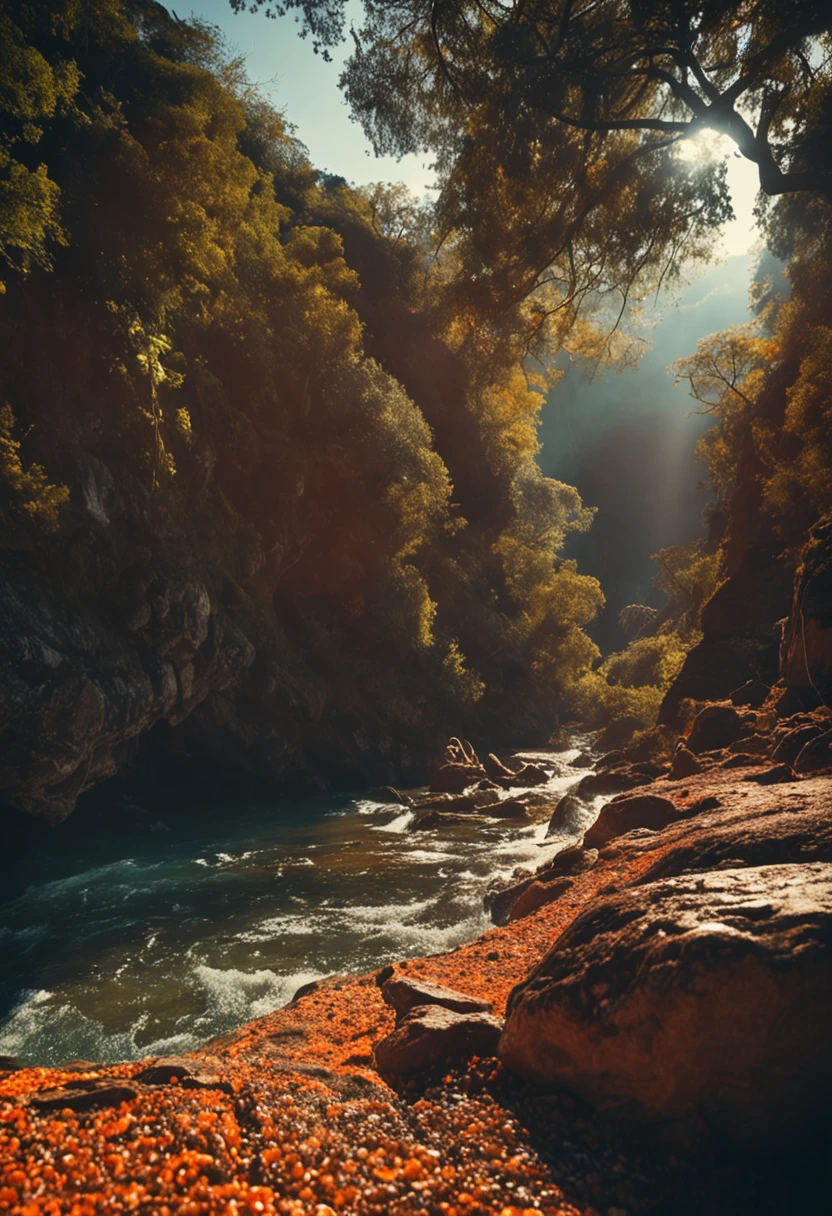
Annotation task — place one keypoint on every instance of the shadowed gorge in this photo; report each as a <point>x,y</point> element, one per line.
<point>415,612</point>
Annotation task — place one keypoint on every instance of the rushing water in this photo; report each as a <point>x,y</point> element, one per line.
<point>216,918</point>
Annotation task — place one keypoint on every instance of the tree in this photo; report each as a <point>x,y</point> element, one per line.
<point>556,126</point>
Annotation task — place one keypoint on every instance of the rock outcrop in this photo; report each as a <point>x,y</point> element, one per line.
<point>430,1035</point>
<point>705,996</point>
<point>626,813</point>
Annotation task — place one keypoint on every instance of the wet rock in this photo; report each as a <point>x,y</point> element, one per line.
<point>613,759</point>
<point>716,726</point>
<point>386,793</point>
<point>431,820</point>
<point>404,994</point>
<point>501,897</point>
<point>815,755</point>
<point>684,764</point>
<point>792,743</point>
<point>753,693</point>
<point>568,816</point>
<point>10,1064</point>
<point>462,804</point>
<point>610,782</point>
<point>624,814</point>
<point>495,767</point>
<point>702,997</point>
<point>86,1095</point>
<point>430,1035</point>
<point>574,860</point>
<point>508,808</point>
<point>582,760</point>
<point>773,776</point>
<point>530,774</point>
<point>455,778</point>
<point>536,895</point>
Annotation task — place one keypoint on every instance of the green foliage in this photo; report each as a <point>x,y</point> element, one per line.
<point>283,398</point>
<point>27,491</point>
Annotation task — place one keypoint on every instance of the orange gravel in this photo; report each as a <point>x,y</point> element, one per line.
<point>310,1126</point>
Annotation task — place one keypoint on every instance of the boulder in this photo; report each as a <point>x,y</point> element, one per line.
<point>568,817</point>
<point>815,755</point>
<point>613,759</point>
<point>508,808</point>
<point>495,767</point>
<point>431,820</point>
<point>773,776</point>
<point>386,793</point>
<point>536,895</point>
<point>706,997</point>
<point>755,745</point>
<point>792,743</point>
<point>429,1036</point>
<point>530,774</point>
<point>624,814</point>
<point>753,693</point>
<point>612,781</point>
<point>403,994</point>
<point>684,764</point>
<point>740,760</point>
<point>716,726</point>
<point>502,897</point>
<point>793,701</point>
<point>455,778</point>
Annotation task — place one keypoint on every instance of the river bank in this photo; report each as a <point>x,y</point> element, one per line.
<point>289,1113</point>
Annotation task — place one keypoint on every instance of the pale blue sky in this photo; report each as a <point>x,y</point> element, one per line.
<point>305,89</point>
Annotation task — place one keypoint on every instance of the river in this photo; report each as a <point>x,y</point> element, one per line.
<point>116,946</point>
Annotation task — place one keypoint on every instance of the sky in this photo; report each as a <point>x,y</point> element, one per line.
<point>305,89</point>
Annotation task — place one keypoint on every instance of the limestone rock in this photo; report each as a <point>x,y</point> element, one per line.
<point>624,814</point>
<point>706,996</point>
<point>430,1035</point>
<point>403,994</point>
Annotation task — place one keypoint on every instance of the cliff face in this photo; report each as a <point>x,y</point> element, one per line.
<point>260,512</point>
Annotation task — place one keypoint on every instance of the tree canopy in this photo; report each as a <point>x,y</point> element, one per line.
<point>556,125</point>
